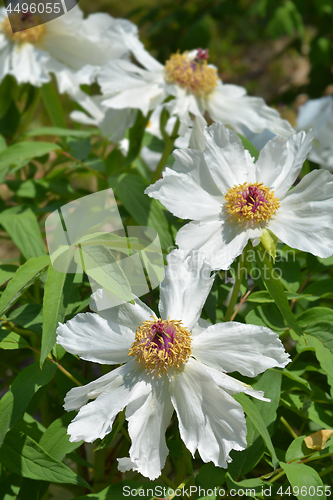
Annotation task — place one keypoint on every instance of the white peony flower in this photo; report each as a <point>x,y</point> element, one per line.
<point>196,89</point>
<point>69,46</point>
<point>175,362</point>
<point>317,114</point>
<point>231,199</point>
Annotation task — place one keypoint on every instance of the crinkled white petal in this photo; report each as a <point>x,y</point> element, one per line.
<point>148,419</point>
<point>127,314</point>
<point>210,420</point>
<point>281,160</point>
<point>95,339</point>
<point>247,349</point>
<point>228,105</point>
<point>186,284</point>
<point>95,419</point>
<point>221,242</point>
<point>28,64</point>
<point>202,325</point>
<point>305,217</point>
<point>232,385</point>
<point>229,163</point>
<point>185,198</point>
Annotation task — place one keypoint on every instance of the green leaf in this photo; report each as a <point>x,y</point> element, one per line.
<point>10,487</point>
<point>315,315</point>
<point>276,290</point>
<point>23,456</point>
<point>249,146</point>
<point>7,271</point>
<point>323,354</point>
<point>297,450</point>
<point>21,152</point>
<point>119,491</point>
<point>129,188</point>
<point>56,295</point>
<point>98,262</point>
<point>15,401</point>
<point>269,242</point>
<point>23,229</point>
<point>55,439</point>
<point>210,477</point>
<point>11,340</point>
<point>301,475</point>
<point>61,132</point>
<point>257,420</point>
<point>29,316</point>
<point>23,278</point>
<point>254,485</point>
<point>53,105</point>
<point>264,297</point>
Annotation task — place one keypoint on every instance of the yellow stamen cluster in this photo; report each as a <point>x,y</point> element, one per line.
<point>251,202</point>
<point>30,34</point>
<point>149,350</point>
<point>195,76</point>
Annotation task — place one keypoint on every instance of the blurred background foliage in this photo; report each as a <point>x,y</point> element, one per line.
<point>276,49</point>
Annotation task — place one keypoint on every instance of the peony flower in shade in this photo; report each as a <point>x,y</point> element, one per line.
<point>195,88</point>
<point>69,46</point>
<point>317,114</point>
<point>231,199</point>
<point>175,361</point>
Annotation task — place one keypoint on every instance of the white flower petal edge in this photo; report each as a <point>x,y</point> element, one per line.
<point>95,339</point>
<point>184,289</point>
<point>210,420</point>
<point>248,349</point>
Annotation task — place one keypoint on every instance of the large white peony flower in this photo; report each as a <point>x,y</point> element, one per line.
<point>175,362</point>
<point>317,114</point>
<point>69,46</point>
<point>231,199</point>
<point>195,87</point>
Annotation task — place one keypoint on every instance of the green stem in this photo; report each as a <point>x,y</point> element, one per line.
<point>168,149</point>
<point>29,114</point>
<point>236,288</point>
<point>288,426</point>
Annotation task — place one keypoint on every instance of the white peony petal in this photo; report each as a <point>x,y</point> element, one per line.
<point>281,160</point>
<point>247,349</point>
<point>95,419</point>
<point>127,314</point>
<point>148,419</point>
<point>95,339</point>
<point>305,218</point>
<point>28,64</point>
<point>210,420</point>
<point>185,287</point>
<point>229,106</point>
<point>221,242</point>
<point>229,163</point>
<point>185,198</point>
<point>232,385</point>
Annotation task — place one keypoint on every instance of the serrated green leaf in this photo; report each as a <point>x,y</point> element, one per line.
<point>301,475</point>
<point>11,340</point>
<point>22,279</point>
<point>23,456</point>
<point>23,229</point>
<point>56,295</point>
<point>15,401</point>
